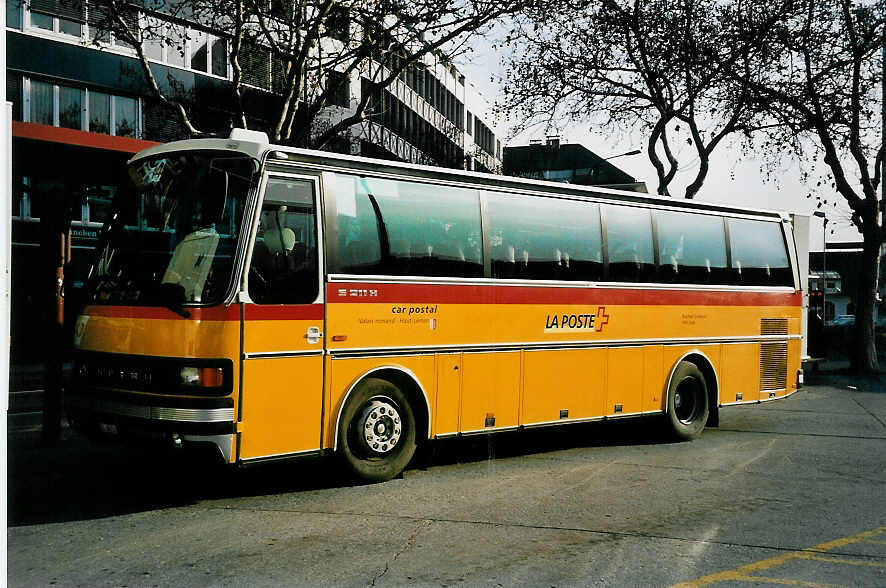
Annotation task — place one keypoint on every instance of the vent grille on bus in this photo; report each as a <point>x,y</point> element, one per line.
<point>774,326</point>
<point>773,366</point>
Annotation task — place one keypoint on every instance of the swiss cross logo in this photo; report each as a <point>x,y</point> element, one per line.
<point>602,318</point>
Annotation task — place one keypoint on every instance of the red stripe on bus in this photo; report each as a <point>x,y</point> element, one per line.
<point>283,312</point>
<point>481,294</point>
<point>211,313</point>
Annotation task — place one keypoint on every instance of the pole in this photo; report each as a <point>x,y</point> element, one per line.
<point>824,269</point>
<point>55,246</point>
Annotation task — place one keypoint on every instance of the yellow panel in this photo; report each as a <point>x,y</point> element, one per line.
<point>625,380</point>
<point>161,337</point>
<point>741,373</point>
<point>653,390</point>
<point>282,407</point>
<point>373,325</point>
<point>490,386</point>
<point>562,380</point>
<point>448,393</point>
<point>267,336</point>
<point>342,374</point>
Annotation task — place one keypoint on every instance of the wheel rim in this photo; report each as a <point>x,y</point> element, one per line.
<point>687,401</point>
<point>379,427</point>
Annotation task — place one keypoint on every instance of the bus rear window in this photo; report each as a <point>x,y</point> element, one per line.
<point>759,255</point>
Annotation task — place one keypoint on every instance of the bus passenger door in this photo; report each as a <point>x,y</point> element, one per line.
<point>283,323</point>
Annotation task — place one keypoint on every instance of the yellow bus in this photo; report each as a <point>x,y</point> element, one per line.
<point>278,303</point>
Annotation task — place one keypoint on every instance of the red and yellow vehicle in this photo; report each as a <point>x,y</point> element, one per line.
<point>278,302</point>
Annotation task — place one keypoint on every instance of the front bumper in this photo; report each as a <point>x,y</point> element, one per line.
<point>193,419</point>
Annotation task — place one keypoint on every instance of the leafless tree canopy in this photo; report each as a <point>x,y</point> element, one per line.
<point>635,65</point>
<point>306,52</point>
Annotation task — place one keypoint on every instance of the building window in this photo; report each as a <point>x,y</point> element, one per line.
<point>125,113</point>
<point>176,39</point>
<point>41,21</point>
<point>81,109</point>
<point>15,94</point>
<point>100,112</point>
<point>70,27</point>
<point>58,16</point>
<point>170,43</point>
<point>70,107</point>
<point>42,103</point>
<point>199,50</point>
<point>340,91</point>
<point>219,57</point>
<point>185,47</point>
<point>14,14</point>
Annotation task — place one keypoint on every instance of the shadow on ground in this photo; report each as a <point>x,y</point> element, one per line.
<point>80,480</point>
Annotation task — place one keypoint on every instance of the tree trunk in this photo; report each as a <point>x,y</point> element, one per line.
<point>863,352</point>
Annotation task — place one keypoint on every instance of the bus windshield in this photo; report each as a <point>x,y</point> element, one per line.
<point>174,231</point>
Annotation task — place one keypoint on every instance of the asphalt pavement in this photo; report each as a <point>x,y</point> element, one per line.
<point>782,493</point>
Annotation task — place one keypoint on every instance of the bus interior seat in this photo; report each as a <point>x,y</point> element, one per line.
<point>280,241</point>
<point>401,255</point>
<point>449,251</point>
<point>505,265</point>
<point>401,248</point>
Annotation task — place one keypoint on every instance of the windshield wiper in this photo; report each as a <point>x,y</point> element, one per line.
<point>178,309</point>
<point>171,296</point>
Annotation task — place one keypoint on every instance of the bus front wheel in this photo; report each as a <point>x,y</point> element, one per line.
<point>688,408</point>
<point>376,436</point>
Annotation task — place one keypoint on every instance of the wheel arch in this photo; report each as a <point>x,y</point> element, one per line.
<point>408,383</point>
<point>706,366</point>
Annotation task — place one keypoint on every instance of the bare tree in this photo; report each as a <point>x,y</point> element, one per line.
<point>817,78</point>
<point>634,65</point>
<point>306,53</point>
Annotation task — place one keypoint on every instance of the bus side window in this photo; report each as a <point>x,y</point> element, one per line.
<point>406,228</point>
<point>692,248</point>
<point>284,266</point>
<point>538,238</point>
<point>629,237</point>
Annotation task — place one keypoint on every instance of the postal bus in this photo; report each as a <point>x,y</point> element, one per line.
<point>278,303</point>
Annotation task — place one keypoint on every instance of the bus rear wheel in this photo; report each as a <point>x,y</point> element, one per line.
<point>688,408</point>
<point>376,436</point>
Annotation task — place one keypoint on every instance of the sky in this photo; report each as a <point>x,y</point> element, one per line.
<point>732,178</point>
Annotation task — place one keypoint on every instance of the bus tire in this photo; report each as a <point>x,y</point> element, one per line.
<point>688,408</point>
<point>376,434</point>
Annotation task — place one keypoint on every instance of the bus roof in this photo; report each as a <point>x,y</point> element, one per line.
<point>255,144</point>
